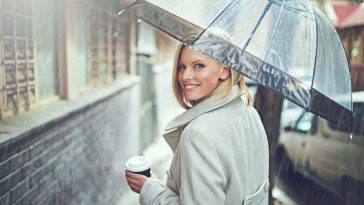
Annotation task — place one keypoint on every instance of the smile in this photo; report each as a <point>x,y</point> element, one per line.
<point>190,87</point>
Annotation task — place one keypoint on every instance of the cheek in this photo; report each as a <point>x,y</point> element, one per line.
<point>212,78</point>
<point>213,82</point>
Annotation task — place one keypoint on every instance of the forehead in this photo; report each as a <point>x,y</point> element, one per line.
<point>188,54</point>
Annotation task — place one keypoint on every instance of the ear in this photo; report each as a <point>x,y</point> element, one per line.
<point>225,73</point>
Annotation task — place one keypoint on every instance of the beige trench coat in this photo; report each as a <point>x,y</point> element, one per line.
<point>220,157</point>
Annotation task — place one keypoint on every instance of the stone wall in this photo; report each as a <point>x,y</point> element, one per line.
<point>76,158</point>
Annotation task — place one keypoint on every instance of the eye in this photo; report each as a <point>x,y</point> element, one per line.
<point>199,65</point>
<point>181,67</point>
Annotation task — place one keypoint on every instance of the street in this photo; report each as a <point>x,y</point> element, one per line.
<point>294,189</point>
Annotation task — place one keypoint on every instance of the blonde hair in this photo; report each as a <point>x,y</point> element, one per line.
<point>222,91</point>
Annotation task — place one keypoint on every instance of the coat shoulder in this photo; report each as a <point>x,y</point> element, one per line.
<point>224,116</point>
<point>210,121</point>
<point>222,121</point>
<point>215,122</point>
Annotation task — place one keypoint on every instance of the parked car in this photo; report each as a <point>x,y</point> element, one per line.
<point>290,113</point>
<point>327,154</point>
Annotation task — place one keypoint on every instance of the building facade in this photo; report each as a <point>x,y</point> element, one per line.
<point>69,101</point>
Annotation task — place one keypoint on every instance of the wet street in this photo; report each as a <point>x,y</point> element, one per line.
<point>297,190</point>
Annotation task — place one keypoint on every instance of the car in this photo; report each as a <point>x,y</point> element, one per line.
<point>290,113</point>
<point>327,154</point>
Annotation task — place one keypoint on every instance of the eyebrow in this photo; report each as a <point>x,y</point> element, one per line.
<point>197,61</point>
<point>191,62</point>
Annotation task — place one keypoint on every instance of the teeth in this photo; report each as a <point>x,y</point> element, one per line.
<point>190,86</point>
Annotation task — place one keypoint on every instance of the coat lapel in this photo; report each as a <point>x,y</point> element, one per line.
<point>175,127</point>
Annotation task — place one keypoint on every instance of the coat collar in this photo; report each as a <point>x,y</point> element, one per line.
<point>205,106</point>
<point>174,127</point>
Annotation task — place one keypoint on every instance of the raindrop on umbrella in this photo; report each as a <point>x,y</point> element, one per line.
<point>121,12</point>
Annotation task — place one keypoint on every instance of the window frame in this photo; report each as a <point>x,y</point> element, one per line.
<point>21,92</point>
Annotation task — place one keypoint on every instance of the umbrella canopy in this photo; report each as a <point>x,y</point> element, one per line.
<point>286,45</point>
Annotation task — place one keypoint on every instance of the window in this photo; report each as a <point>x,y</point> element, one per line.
<point>46,48</point>
<point>358,114</point>
<point>99,46</point>
<point>358,120</point>
<point>107,43</point>
<point>120,34</point>
<point>53,49</point>
<point>304,123</point>
<point>17,71</point>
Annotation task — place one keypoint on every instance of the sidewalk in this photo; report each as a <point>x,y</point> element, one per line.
<point>161,155</point>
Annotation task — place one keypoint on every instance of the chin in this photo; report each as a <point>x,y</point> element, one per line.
<point>193,98</point>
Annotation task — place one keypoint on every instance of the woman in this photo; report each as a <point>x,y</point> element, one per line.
<point>219,144</point>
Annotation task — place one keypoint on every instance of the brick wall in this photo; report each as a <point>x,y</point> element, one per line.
<point>77,159</point>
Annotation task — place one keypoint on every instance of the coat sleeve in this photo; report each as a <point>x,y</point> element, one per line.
<point>154,192</point>
<point>201,175</point>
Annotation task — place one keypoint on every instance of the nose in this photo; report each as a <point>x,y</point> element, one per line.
<point>187,74</point>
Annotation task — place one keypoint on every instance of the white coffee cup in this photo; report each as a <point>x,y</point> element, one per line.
<point>139,165</point>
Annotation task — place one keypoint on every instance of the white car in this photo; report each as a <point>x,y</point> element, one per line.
<point>325,154</point>
<point>290,113</point>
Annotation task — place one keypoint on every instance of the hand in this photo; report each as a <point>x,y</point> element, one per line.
<point>135,181</point>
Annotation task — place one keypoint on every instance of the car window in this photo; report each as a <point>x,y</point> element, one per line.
<point>358,126</point>
<point>314,126</point>
<point>358,120</point>
<point>304,123</point>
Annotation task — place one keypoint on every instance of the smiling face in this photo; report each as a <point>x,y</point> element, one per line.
<point>198,75</point>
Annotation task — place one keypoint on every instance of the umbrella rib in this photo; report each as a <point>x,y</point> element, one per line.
<point>257,25</point>
<point>191,26</point>
<point>213,21</point>
<point>315,62</point>
<point>274,30</point>
<point>292,8</point>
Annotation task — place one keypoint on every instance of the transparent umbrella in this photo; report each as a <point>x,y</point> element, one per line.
<point>286,45</point>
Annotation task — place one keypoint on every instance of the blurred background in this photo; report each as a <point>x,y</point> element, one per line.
<point>83,88</point>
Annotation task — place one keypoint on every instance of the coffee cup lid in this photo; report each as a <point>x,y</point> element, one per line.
<point>138,164</point>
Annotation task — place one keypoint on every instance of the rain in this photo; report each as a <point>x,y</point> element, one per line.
<point>86,85</point>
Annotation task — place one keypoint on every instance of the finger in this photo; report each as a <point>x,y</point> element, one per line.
<point>138,183</point>
<point>135,179</point>
<point>136,176</point>
<point>129,177</point>
<point>135,188</point>
<point>133,176</point>
<point>132,181</point>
